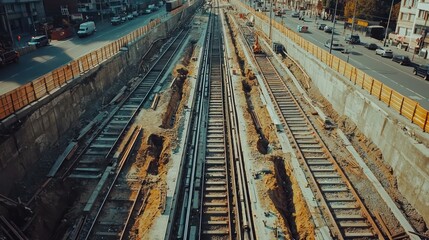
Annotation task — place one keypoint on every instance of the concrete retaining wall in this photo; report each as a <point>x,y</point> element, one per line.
<point>404,152</point>
<point>43,124</point>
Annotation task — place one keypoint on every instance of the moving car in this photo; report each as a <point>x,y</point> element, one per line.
<point>86,29</point>
<point>371,46</point>
<point>39,41</point>
<point>401,59</point>
<point>322,26</point>
<point>335,45</point>
<point>116,20</point>
<point>384,52</point>
<point>352,39</point>
<point>302,28</point>
<point>422,70</point>
<point>295,14</point>
<point>8,57</point>
<point>327,29</point>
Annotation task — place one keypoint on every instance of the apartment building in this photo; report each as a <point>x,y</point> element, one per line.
<point>413,24</point>
<point>20,16</point>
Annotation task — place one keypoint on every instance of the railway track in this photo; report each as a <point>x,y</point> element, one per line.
<point>100,147</point>
<point>343,207</point>
<point>214,201</point>
<point>216,210</point>
<point>109,208</point>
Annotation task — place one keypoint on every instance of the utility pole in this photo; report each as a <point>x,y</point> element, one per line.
<point>354,15</point>
<point>8,26</point>
<point>271,19</point>
<point>101,10</point>
<point>333,28</point>
<point>388,22</point>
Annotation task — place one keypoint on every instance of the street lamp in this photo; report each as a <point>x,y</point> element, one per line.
<point>333,28</point>
<point>388,22</point>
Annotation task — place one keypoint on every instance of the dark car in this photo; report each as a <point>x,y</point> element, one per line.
<point>322,26</point>
<point>39,41</point>
<point>422,70</point>
<point>401,59</point>
<point>371,46</point>
<point>328,29</point>
<point>352,39</point>
<point>8,57</point>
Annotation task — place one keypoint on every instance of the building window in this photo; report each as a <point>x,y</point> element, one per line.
<point>409,3</point>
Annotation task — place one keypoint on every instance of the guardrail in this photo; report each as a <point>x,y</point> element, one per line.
<point>405,106</point>
<point>19,98</point>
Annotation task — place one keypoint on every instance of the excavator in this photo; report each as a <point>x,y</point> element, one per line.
<point>256,46</point>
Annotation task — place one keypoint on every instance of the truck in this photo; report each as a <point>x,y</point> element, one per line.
<point>86,29</point>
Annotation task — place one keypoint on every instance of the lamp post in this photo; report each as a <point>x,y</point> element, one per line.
<point>388,22</point>
<point>333,28</point>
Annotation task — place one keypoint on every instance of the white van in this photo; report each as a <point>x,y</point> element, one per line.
<point>86,28</point>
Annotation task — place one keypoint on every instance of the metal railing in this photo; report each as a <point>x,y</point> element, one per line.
<point>19,98</point>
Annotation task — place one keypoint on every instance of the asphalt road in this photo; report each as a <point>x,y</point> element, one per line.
<point>400,78</point>
<point>58,53</point>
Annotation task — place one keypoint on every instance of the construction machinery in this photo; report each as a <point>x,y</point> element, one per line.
<point>256,46</point>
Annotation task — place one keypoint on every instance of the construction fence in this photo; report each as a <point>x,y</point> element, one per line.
<point>19,98</point>
<point>405,106</point>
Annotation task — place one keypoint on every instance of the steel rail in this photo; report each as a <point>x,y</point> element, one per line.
<point>247,228</point>
<point>130,146</point>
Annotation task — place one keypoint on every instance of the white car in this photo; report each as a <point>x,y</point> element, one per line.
<point>335,45</point>
<point>384,52</point>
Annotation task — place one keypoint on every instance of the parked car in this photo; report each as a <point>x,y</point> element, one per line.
<point>384,52</point>
<point>401,59</point>
<point>335,45</point>
<point>147,11</point>
<point>130,17</point>
<point>8,57</point>
<point>327,29</point>
<point>135,14</point>
<point>422,70</point>
<point>116,20</point>
<point>352,38</point>
<point>39,41</point>
<point>322,26</point>
<point>295,14</point>
<point>371,46</point>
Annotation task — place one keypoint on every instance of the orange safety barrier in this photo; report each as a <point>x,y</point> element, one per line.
<point>403,105</point>
<point>42,86</point>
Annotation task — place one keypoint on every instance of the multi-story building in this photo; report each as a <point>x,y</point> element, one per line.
<point>412,24</point>
<point>19,16</point>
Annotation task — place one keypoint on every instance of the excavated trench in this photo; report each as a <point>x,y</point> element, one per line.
<point>262,144</point>
<point>282,196</point>
<point>155,146</point>
<point>169,116</point>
